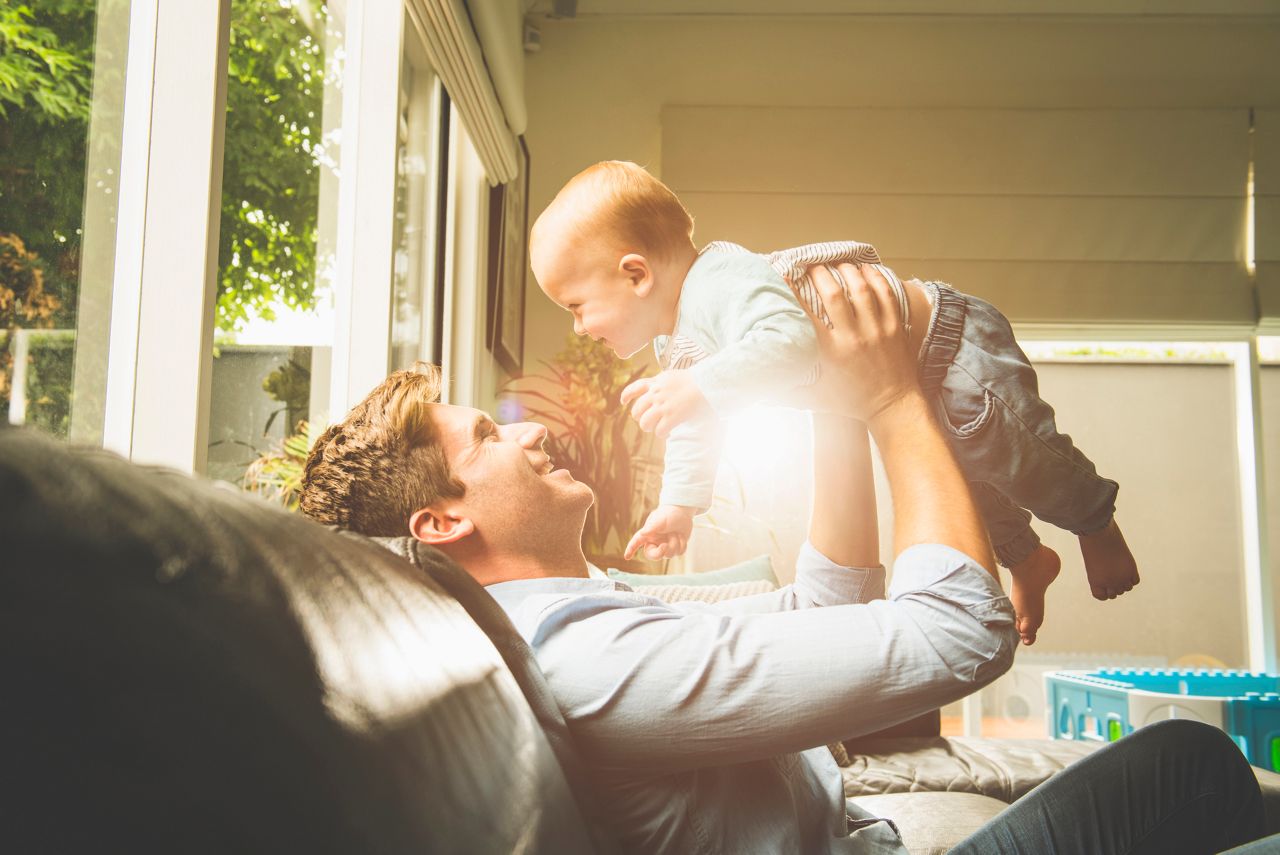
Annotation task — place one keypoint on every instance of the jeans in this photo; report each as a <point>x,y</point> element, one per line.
<point>1002,432</point>
<point>1171,787</point>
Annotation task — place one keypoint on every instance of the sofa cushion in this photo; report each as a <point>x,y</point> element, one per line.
<point>1003,769</point>
<point>933,823</point>
<point>189,669</point>
<point>515,652</point>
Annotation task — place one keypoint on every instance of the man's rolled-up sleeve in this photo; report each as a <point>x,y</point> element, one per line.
<point>647,686</point>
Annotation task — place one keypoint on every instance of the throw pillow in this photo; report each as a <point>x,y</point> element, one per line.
<point>707,593</point>
<point>753,569</point>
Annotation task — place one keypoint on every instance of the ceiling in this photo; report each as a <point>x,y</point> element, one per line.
<point>797,8</point>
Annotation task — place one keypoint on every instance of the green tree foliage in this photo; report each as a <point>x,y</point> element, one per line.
<point>44,68</point>
<point>24,303</point>
<point>45,79</point>
<point>271,165</point>
<point>274,154</point>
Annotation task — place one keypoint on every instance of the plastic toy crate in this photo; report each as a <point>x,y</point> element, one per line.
<point>1109,703</point>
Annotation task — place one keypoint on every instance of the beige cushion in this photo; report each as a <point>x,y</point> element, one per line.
<point>707,593</point>
<point>932,823</point>
<point>1003,769</point>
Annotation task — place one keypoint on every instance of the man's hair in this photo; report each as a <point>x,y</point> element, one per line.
<point>383,462</point>
<point>624,205</point>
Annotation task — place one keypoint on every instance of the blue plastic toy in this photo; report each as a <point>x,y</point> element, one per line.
<point>1107,704</point>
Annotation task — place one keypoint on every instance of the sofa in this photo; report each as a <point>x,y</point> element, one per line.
<point>190,669</point>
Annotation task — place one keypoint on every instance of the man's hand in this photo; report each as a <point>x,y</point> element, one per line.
<point>664,401</point>
<point>866,361</point>
<point>665,533</point>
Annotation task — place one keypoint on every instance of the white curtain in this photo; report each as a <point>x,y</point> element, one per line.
<point>1057,216</point>
<point>456,55</point>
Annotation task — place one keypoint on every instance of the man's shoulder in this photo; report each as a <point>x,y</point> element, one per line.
<point>537,606</point>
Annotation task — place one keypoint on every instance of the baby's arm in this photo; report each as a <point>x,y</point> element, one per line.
<point>765,348</point>
<point>688,482</point>
<point>662,402</point>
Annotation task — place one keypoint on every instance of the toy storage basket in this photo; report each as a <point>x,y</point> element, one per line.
<point>1109,703</point>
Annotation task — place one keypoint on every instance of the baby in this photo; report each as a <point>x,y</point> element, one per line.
<point>615,249</point>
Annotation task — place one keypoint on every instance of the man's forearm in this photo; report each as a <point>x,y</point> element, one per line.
<point>844,524</point>
<point>931,499</point>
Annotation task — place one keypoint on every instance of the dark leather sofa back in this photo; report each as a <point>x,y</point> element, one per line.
<point>187,669</point>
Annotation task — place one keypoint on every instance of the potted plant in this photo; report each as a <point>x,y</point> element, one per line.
<point>277,475</point>
<point>592,435</point>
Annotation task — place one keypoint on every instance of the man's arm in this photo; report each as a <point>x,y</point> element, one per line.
<point>844,526</point>
<point>867,367</point>
<point>841,562</point>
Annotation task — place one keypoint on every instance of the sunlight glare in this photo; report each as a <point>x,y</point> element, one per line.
<point>760,434</point>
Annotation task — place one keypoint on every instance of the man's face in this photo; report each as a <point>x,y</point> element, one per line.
<point>512,487</point>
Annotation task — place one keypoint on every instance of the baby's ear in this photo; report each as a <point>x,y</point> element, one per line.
<point>639,275</point>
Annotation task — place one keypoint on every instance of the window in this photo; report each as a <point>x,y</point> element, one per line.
<point>421,139</point>
<point>59,173</point>
<point>1161,419</point>
<point>274,310</point>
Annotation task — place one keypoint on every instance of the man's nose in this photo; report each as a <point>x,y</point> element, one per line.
<point>531,434</point>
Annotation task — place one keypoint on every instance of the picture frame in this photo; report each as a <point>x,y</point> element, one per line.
<point>508,261</point>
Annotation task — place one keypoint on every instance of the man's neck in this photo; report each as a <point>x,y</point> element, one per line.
<point>489,567</point>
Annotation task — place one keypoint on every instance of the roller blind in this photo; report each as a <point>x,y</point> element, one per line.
<point>1266,184</point>
<point>499,26</point>
<point>1057,216</point>
<point>455,54</point>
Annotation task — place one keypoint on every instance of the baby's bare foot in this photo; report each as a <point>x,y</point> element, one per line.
<point>1031,579</point>
<point>1108,562</point>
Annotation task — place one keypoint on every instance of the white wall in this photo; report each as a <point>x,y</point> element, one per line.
<point>597,87</point>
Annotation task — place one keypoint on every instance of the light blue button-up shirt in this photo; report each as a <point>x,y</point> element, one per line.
<point>704,726</point>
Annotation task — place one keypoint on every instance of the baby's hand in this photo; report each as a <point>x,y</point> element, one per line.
<point>664,534</point>
<point>664,401</point>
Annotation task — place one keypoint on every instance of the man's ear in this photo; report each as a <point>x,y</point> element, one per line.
<point>639,275</point>
<point>435,527</point>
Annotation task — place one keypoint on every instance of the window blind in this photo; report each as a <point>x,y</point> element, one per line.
<point>455,54</point>
<point>1056,216</point>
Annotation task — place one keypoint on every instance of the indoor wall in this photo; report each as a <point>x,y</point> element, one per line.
<point>608,86</point>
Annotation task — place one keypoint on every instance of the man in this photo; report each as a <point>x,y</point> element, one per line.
<point>702,725</point>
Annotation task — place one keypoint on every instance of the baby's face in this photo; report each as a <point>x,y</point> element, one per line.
<point>598,295</point>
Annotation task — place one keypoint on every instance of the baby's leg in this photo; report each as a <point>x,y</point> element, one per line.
<point>1014,444</point>
<point>1051,478</point>
<point>1108,562</point>
<point>1032,565</point>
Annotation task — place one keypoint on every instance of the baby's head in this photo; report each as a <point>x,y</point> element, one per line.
<point>613,248</point>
